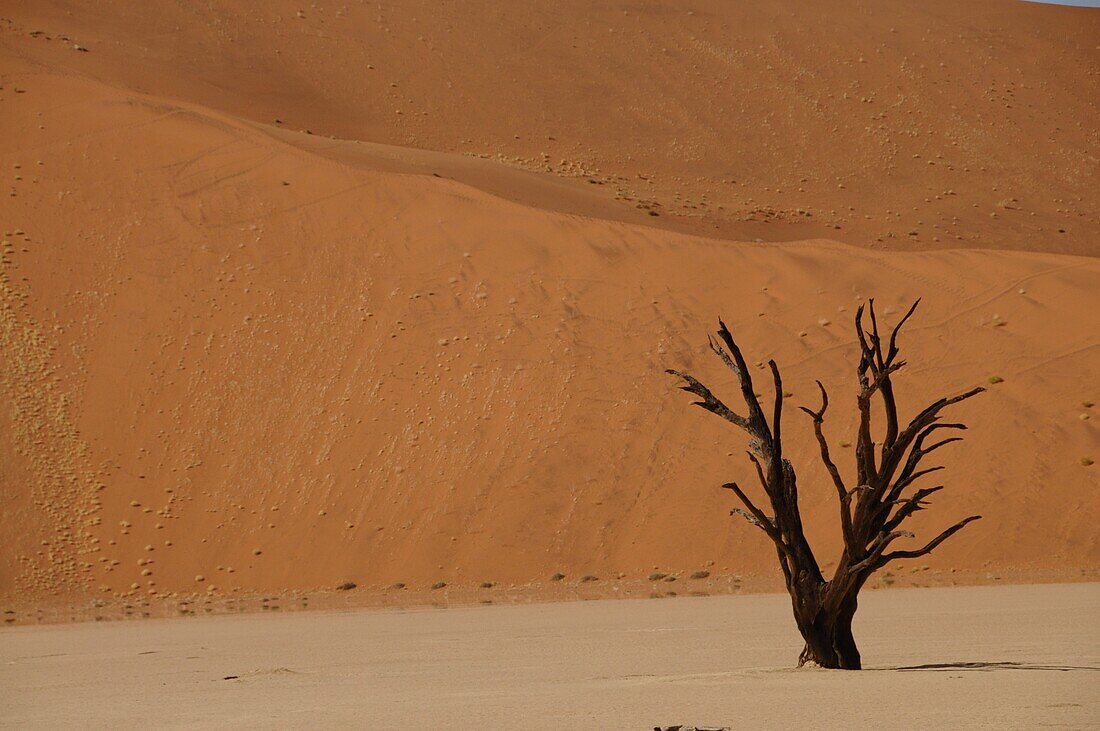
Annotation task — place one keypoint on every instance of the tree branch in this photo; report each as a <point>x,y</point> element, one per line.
<point>918,429</point>
<point>901,484</point>
<point>759,472</point>
<point>876,342</point>
<point>931,412</point>
<point>909,506</point>
<point>916,454</point>
<point>897,328</point>
<point>941,443</point>
<point>777,414</point>
<point>823,445</point>
<point>721,353</point>
<point>758,425</point>
<point>884,540</point>
<point>756,514</point>
<point>931,545</point>
<point>709,401</point>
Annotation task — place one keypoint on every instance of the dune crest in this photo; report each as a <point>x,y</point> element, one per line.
<point>893,125</point>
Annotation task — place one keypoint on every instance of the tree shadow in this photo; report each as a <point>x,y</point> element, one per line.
<point>989,666</point>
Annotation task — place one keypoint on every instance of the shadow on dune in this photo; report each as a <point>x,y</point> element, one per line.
<point>986,666</point>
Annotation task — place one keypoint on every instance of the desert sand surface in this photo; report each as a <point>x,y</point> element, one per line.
<point>261,335</point>
<point>977,657</point>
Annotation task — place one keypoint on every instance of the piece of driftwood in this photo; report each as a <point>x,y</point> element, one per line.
<point>872,510</point>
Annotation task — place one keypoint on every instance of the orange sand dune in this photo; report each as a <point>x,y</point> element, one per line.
<point>892,124</point>
<point>276,361</point>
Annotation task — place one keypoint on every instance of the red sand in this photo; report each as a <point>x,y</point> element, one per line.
<point>280,361</point>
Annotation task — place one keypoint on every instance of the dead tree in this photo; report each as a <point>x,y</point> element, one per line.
<point>872,511</point>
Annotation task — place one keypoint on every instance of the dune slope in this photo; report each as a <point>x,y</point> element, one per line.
<point>236,355</point>
<point>228,357</point>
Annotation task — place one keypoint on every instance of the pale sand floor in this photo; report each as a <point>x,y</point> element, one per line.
<point>997,657</point>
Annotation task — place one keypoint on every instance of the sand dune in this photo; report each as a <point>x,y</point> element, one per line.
<point>240,358</point>
<point>893,124</point>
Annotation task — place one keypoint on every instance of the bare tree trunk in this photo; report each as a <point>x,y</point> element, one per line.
<point>829,639</point>
<point>870,513</point>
